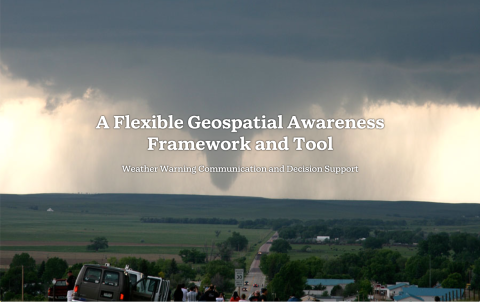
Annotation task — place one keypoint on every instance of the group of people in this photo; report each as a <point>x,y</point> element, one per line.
<point>193,294</point>
<point>183,294</point>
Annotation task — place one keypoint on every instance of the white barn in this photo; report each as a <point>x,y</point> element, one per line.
<point>322,238</point>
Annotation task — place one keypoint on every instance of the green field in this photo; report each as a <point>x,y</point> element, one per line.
<point>241,208</point>
<point>58,226</point>
<point>79,218</point>
<point>328,252</point>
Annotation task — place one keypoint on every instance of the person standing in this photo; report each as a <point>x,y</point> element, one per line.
<point>192,294</point>
<point>244,298</point>
<point>255,297</point>
<point>263,297</point>
<point>178,293</point>
<point>70,285</point>
<point>211,294</point>
<point>235,297</point>
<point>185,291</point>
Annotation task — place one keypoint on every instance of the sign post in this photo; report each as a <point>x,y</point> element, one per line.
<point>239,278</point>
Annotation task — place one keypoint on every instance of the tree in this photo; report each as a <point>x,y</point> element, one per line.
<point>192,256</point>
<point>240,262</point>
<point>337,290</point>
<point>12,280</point>
<point>173,269</point>
<point>305,249</point>
<point>54,268</point>
<point>224,268</point>
<point>350,289</point>
<point>98,243</point>
<point>225,251</point>
<point>221,274</point>
<point>476,275</point>
<point>280,246</point>
<point>41,270</point>
<point>454,280</point>
<point>383,266</point>
<point>187,272</point>
<point>271,264</point>
<point>465,246</point>
<point>314,266</point>
<point>290,280</point>
<point>432,278</point>
<point>372,243</point>
<point>364,289</point>
<point>319,286</point>
<point>436,245</point>
<point>237,242</point>
<point>416,267</point>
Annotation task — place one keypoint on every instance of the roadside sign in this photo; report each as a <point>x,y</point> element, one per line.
<point>239,277</point>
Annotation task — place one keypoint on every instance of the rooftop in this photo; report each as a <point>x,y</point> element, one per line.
<point>425,291</point>
<point>397,285</point>
<point>329,282</point>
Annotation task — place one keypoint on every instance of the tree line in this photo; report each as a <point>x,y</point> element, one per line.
<point>450,260</point>
<point>230,221</point>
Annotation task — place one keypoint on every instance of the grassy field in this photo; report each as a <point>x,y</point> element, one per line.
<point>39,231</point>
<point>29,225</point>
<point>328,252</point>
<point>77,218</point>
<point>241,208</point>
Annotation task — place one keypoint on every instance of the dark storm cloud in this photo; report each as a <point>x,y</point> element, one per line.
<point>245,59</point>
<point>307,29</point>
<point>40,40</point>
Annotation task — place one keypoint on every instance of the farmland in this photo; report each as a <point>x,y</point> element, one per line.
<point>26,226</point>
<point>332,251</point>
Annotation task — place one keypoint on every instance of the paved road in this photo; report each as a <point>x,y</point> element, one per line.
<point>255,275</point>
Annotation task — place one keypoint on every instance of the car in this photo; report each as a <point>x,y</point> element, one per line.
<point>60,290</point>
<point>259,253</point>
<point>244,289</point>
<point>246,282</point>
<point>255,285</point>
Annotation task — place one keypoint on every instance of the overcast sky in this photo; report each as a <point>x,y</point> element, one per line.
<point>414,64</point>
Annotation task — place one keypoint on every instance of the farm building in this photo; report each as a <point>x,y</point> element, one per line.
<point>393,289</point>
<point>328,283</point>
<point>322,238</point>
<point>428,294</point>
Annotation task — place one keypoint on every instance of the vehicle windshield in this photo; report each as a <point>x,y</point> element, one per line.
<point>61,283</point>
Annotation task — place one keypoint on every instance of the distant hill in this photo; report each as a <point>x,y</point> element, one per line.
<point>166,205</point>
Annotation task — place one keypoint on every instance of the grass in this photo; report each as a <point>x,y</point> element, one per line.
<point>241,208</point>
<point>58,226</point>
<point>79,218</point>
<point>329,252</point>
<point>82,249</point>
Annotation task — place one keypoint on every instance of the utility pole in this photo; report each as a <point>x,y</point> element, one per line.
<point>22,283</point>
<point>430,278</point>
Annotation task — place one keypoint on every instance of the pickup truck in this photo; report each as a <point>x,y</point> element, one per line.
<point>60,290</point>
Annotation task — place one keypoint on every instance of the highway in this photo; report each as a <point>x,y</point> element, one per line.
<point>255,275</point>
